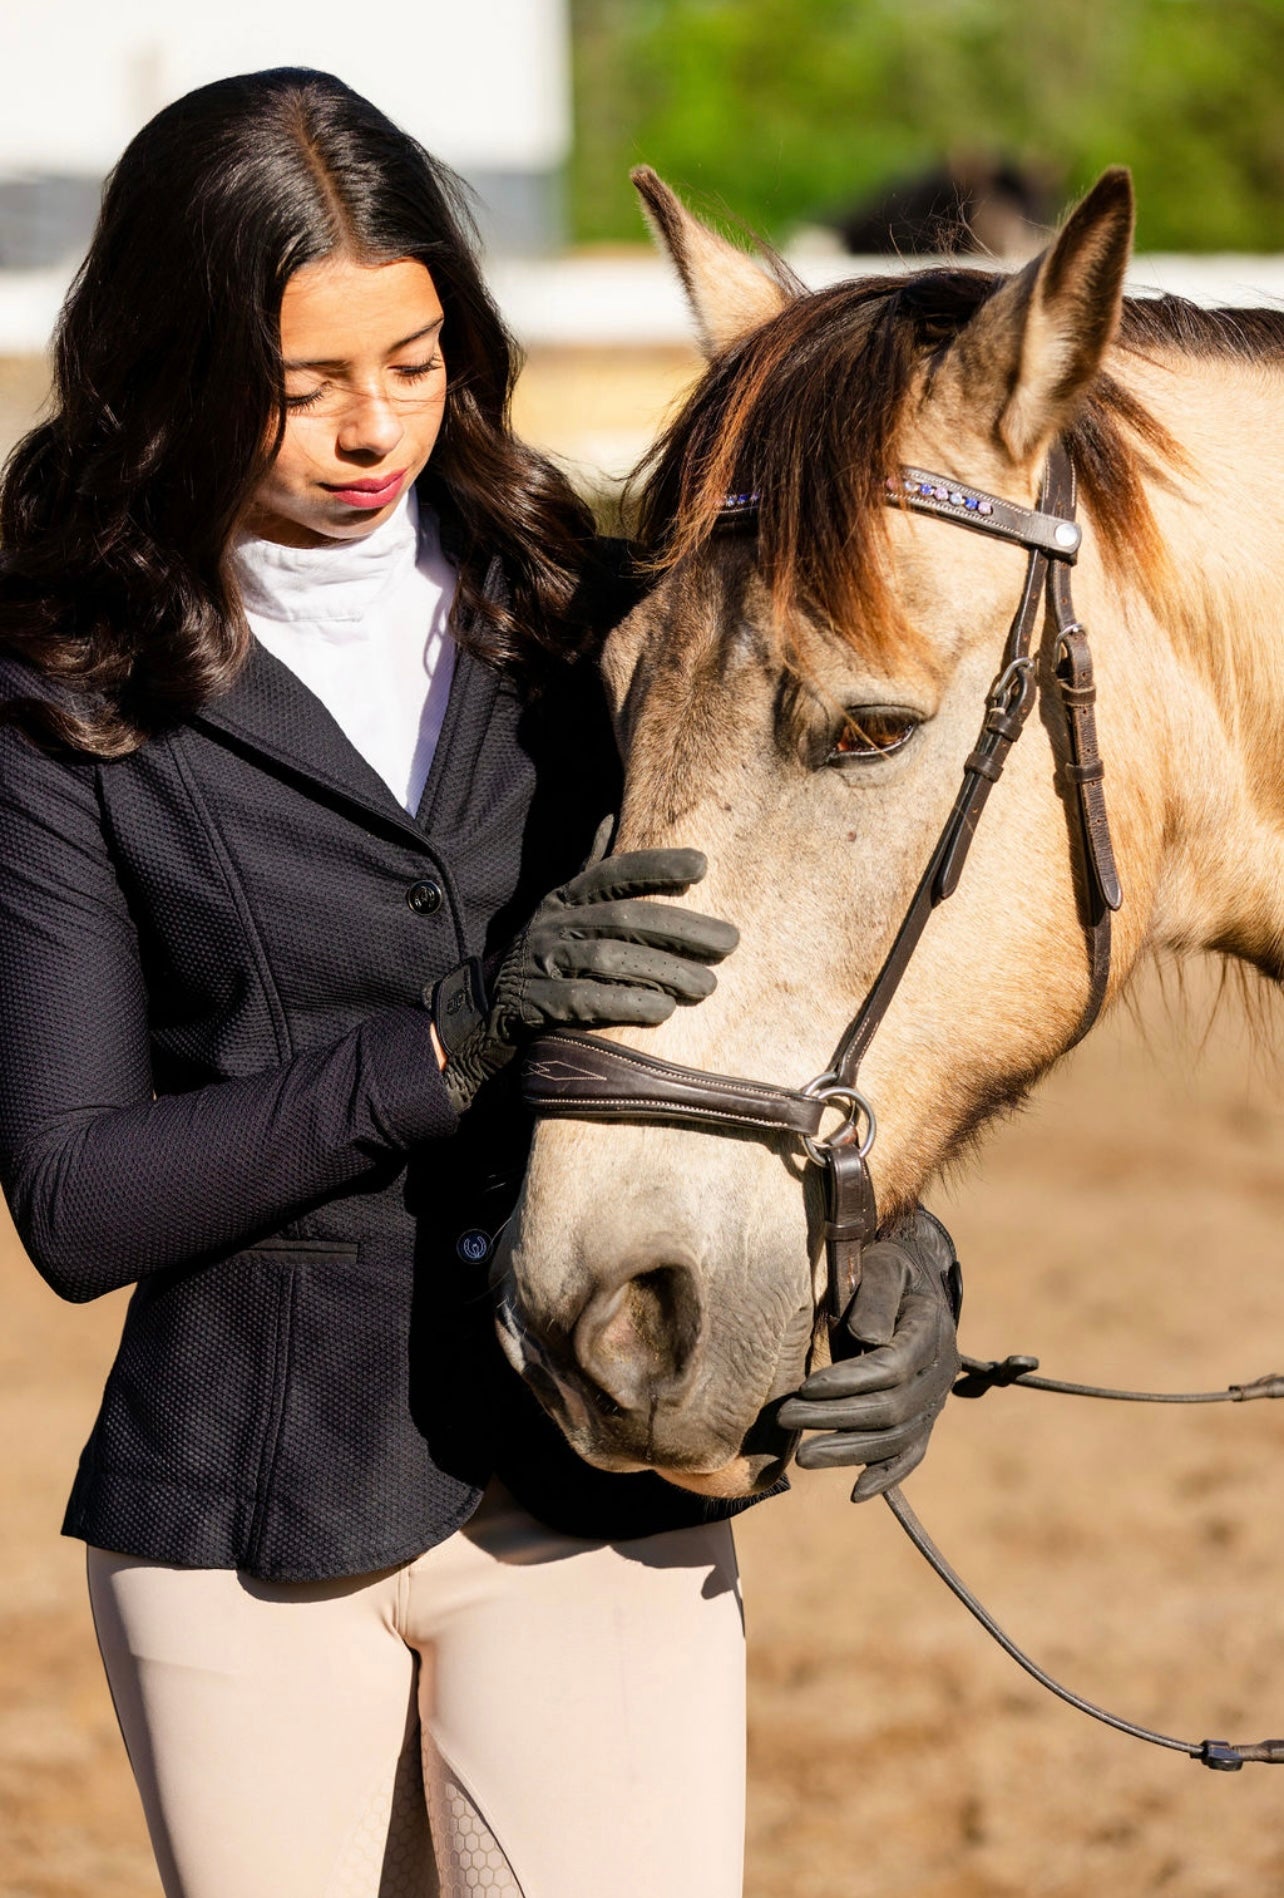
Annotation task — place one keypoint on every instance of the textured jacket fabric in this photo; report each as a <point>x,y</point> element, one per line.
<point>217,1084</point>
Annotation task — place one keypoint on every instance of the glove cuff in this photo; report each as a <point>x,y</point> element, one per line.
<point>926,1239</point>
<point>458,1006</point>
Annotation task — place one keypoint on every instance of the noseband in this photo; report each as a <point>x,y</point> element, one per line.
<point>575,1074</point>
<point>578,1075</point>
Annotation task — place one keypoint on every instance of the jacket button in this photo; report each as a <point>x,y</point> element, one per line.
<point>424,898</point>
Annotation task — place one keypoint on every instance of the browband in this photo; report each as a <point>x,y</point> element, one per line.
<point>1054,534</point>
<point>1057,535</point>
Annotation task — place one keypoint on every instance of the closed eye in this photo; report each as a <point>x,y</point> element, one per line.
<point>412,372</point>
<point>308,401</point>
<point>407,374</point>
<point>873,731</point>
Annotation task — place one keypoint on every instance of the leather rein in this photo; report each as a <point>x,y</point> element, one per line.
<point>571,1073</point>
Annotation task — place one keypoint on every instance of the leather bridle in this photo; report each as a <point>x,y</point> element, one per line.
<point>571,1073</point>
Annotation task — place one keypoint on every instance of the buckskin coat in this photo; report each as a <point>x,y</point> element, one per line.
<point>217,1083</point>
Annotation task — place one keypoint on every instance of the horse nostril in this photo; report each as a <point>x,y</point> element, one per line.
<point>638,1343</point>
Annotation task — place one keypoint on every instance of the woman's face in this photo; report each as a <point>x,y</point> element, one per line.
<point>365,385</point>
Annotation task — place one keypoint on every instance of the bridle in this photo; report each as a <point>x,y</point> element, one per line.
<point>572,1073</point>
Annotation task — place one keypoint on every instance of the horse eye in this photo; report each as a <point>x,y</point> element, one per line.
<point>873,731</point>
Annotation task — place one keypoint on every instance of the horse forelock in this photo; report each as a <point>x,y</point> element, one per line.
<point>808,412</point>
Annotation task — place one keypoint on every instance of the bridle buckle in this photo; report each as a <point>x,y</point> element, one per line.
<point>1013,686</point>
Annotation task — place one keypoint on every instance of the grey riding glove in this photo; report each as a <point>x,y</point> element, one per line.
<point>596,952</point>
<point>878,1407</point>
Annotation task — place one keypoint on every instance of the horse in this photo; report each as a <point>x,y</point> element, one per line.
<point>978,202</point>
<point>798,701</point>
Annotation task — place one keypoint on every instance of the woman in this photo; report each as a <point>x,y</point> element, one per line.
<point>295,746</point>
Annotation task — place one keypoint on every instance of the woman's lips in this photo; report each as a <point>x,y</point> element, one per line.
<point>370,494</point>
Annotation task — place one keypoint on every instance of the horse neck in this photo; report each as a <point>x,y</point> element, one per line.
<point>1203,671</point>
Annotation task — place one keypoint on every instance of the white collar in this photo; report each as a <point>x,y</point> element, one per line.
<point>338,582</point>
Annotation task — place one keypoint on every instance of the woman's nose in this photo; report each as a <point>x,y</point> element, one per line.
<point>371,426</point>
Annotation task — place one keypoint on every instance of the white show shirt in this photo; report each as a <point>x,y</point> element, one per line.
<point>364,625</point>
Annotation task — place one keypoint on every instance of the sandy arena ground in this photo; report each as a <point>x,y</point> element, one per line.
<point>1126,1228</point>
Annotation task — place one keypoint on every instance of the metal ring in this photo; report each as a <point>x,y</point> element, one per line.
<point>1064,634</point>
<point>1017,672</point>
<point>827,1087</point>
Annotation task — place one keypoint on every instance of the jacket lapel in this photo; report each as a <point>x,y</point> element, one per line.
<point>473,693</point>
<point>268,711</point>
<point>469,710</point>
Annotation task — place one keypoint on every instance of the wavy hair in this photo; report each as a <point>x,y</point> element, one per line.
<point>117,511</point>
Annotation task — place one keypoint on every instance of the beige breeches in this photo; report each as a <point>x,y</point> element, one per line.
<point>515,1712</point>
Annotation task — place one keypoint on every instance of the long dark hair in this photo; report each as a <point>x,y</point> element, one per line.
<point>117,511</point>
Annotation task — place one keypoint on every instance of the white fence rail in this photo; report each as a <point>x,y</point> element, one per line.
<point>632,300</point>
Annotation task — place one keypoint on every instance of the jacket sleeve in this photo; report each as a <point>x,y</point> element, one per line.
<point>107,1183</point>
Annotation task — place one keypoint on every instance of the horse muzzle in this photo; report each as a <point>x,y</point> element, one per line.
<point>633,1375</point>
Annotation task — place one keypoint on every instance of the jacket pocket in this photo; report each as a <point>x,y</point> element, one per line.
<point>346,1468</point>
<point>306,1251</point>
<point>194,1395</point>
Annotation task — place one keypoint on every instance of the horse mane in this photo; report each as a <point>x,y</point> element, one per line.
<point>807,410</point>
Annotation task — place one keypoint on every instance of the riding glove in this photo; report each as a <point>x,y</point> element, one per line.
<point>596,952</point>
<point>878,1407</point>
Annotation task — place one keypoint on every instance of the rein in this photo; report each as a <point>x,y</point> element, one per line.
<point>572,1073</point>
<point>983,1374</point>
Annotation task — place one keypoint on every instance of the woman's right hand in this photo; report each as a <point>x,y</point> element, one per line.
<point>597,952</point>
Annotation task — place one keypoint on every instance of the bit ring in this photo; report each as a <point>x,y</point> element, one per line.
<point>827,1087</point>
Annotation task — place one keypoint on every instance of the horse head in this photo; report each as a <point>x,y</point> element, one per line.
<point>798,701</point>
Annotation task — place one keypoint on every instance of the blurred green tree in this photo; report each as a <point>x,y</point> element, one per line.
<point>777,111</point>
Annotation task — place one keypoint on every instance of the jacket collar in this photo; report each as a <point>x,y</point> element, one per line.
<point>268,711</point>
<point>271,713</point>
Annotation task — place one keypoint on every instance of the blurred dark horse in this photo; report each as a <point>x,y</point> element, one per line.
<point>994,206</point>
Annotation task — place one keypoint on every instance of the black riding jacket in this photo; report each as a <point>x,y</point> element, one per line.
<point>217,1083</point>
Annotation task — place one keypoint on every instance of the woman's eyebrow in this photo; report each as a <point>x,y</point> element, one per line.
<point>339,362</point>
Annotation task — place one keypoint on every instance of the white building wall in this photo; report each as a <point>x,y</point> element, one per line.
<point>484,84</point>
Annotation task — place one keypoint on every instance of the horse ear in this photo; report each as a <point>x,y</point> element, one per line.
<point>730,293</point>
<point>1029,353</point>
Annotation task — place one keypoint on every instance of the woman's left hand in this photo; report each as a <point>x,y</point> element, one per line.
<point>878,1407</point>
<point>598,952</point>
